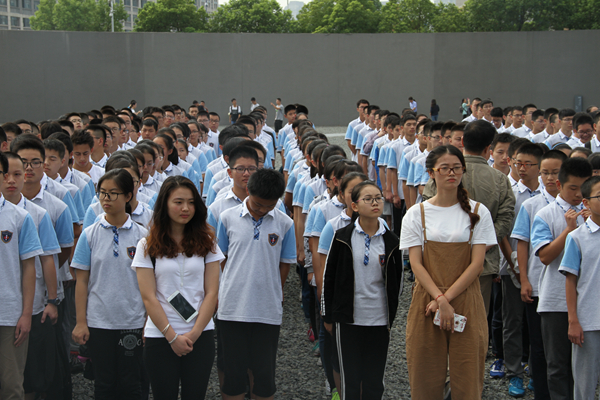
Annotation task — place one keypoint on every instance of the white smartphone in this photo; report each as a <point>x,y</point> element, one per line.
<point>459,321</point>
<point>182,306</point>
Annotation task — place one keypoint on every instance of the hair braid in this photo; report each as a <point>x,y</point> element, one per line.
<point>463,199</point>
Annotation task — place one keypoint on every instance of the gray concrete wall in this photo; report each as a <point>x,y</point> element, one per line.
<point>46,74</point>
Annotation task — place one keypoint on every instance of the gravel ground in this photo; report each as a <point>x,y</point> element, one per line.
<point>298,376</point>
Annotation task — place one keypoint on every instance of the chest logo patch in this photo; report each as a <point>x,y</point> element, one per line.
<point>273,239</point>
<point>382,259</point>
<point>211,144</point>
<point>131,252</point>
<point>6,236</point>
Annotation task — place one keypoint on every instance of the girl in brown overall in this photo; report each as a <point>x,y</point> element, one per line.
<point>447,243</point>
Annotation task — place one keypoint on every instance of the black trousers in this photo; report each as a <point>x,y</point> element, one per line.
<point>397,215</point>
<point>537,358</point>
<point>117,357</point>
<point>362,353</point>
<point>278,125</point>
<point>167,370</point>
<point>557,349</point>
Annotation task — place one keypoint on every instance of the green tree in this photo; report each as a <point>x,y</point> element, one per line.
<point>352,16</point>
<point>507,15</point>
<point>449,18</point>
<point>251,16</point>
<point>171,16</point>
<point>78,15</point>
<point>407,16</point>
<point>314,15</point>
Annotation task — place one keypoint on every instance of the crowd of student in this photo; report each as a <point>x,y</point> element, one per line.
<point>122,231</point>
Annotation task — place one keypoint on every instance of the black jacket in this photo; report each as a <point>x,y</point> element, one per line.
<point>338,282</point>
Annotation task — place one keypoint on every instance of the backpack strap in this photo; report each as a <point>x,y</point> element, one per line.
<point>153,259</point>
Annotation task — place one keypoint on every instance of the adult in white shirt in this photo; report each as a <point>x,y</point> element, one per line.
<point>253,104</point>
<point>475,106</point>
<point>413,104</point>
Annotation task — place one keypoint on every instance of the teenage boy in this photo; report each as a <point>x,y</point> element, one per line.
<point>361,105</point>
<point>42,340</point>
<point>530,266</point>
<point>404,172</point>
<point>83,144</point>
<point>580,265</point>
<point>98,156</point>
<point>434,139</point>
<point>499,152</point>
<point>527,162</point>
<point>524,130</point>
<point>149,128</point>
<point>583,130</point>
<point>497,119</point>
<point>251,288</point>
<point>369,127</point>
<point>550,228</point>
<point>456,136</point>
<point>289,112</point>
<point>517,142</point>
<point>408,126</point>
<point>551,126</point>
<point>475,106</point>
<point>565,121</point>
<point>487,106</point>
<point>19,246</point>
<point>213,132</point>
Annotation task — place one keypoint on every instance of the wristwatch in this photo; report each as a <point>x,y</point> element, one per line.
<point>55,302</point>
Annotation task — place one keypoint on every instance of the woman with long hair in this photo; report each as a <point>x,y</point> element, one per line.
<point>177,268</point>
<point>446,237</point>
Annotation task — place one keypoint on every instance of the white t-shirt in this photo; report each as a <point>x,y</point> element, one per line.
<point>183,273</point>
<point>446,224</point>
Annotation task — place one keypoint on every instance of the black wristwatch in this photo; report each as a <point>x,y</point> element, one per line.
<point>55,302</point>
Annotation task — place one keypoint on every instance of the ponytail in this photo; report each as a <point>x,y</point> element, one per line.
<point>465,204</point>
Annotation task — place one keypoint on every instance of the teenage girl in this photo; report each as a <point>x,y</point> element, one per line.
<point>179,254</point>
<point>109,307</point>
<point>361,285</point>
<point>446,237</point>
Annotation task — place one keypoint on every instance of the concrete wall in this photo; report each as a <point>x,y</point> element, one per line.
<point>46,74</point>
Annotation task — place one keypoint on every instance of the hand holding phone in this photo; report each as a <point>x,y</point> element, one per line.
<point>459,321</point>
<point>182,307</point>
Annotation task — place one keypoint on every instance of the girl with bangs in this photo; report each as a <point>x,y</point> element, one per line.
<point>179,258</point>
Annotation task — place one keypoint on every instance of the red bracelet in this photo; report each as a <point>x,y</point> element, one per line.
<point>439,295</point>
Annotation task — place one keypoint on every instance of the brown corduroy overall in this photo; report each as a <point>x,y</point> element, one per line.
<point>429,349</point>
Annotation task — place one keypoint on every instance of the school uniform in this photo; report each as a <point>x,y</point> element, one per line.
<point>362,282</point>
<point>558,137</point>
<point>151,186</point>
<point>101,163</point>
<point>300,169</point>
<point>213,141</point>
<point>351,126</point>
<point>63,194</point>
<point>595,144</point>
<point>522,132</point>
<point>316,188</point>
<point>165,368</point>
<point>95,173</point>
<point>575,142</point>
<point>581,258</point>
<point>540,137</point>
<point>522,231</point>
<point>85,188</point>
<point>548,224</point>
<point>213,168</point>
<point>142,214</point>
<point>250,294</point>
<point>19,241</point>
<point>223,183</point>
<point>115,310</point>
<point>39,371</point>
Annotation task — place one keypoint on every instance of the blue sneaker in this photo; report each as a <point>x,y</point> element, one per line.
<point>497,369</point>
<point>530,385</point>
<point>515,388</point>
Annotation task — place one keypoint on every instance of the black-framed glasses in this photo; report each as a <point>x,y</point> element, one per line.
<point>372,200</point>
<point>592,197</point>
<point>106,195</point>
<point>241,170</point>
<point>34,164</point>
<point>446,170</point>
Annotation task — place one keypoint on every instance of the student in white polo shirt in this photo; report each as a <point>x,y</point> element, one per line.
<point>580,265</point>
<point>39,370</point>
<point>179,254</point>
<point>565,117</point>
<point>213,132</point>
<point>19,244</point>
<point>251,288</point>
<point>110,310</point>
<point>583,130</point>
<point>83,144</point>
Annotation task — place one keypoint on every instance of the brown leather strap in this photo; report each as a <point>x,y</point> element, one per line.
<point>423,223</point>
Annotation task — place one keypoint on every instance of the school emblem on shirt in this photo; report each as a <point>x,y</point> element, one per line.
<point>131,252</point>
<point>382,259</point>
<point>273,238</point>
<point>211,144</point>
<point>6,236</point>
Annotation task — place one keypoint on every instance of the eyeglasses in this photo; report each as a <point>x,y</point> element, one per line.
<point>135,182</point>
<point>149,164</point>
<point>76,121</point>
<point>372,200</point>
<point>446,170</point>
<point>34,164</point>
<point>109,196</point>
<point>525,165</point>
<point>592,197</point>
<point>242,170</point>
<point>591,132</point>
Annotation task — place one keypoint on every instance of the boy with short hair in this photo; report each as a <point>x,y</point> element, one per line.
<point>580,266</point>
<point>83,144</point>
<point>100,134</point>
<point>499,153</point>
<point>19,246</point>
<point>565,122</point>
<point>251,292</point>
<point>583,130</point>
<point>549,231</point>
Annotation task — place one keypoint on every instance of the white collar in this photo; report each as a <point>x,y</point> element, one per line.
<point>380,229</point>
<point>563,136</point>
<point>22,203</point>
<point>69,176</point>
<point>169,167</point>
<point>245,210</point>
<point>345,216</point>
<point>231,195</point>
<point>150,180</point>
<point>44,181</point>
<point>591,225</point>
<point>105,224</point>
<point>336,202</point>
<point>522,188</point>
<point>140,209</point>
<point>566,206</point>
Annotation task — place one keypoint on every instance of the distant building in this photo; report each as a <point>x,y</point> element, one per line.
<point>459,3</point>
<point>15,14</point>
<point>294,6</point>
